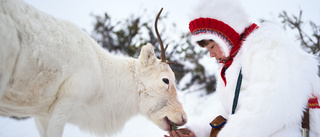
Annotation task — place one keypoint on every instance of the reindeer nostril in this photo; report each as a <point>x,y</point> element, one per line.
<point>165,80</point>
<point>183,119</point>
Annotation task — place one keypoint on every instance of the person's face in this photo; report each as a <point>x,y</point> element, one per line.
<point>215,51</point>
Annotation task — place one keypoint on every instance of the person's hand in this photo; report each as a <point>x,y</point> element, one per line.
<point>183,132</point>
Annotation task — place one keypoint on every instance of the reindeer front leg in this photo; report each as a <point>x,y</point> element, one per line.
<point>60,111</point>
<point>53,125</point>
<point>59,117</point>
<point>68,95</point>
<point>42,125</point>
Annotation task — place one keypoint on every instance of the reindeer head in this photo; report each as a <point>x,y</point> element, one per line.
<point>157,91</point>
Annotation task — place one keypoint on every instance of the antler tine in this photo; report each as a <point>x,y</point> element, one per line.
<point>163,50</point>
<point>166,47</point>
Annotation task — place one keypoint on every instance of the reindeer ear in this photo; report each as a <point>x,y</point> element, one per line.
<point>147,56</point>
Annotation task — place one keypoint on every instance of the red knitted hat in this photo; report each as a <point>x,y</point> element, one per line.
<point>220,20</point>
<point>209,28</point>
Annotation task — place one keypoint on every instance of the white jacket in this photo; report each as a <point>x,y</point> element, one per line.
<point>278,79</point>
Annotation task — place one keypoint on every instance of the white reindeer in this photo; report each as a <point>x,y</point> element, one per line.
<point>53,71</point>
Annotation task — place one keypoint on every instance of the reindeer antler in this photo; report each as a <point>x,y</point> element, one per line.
<point>163,50</point>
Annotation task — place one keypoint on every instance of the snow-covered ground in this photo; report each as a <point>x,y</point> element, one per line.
<point>137,127</point>
<point>196,105</point>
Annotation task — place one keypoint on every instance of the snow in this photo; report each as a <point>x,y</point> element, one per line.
<point>137,126</point>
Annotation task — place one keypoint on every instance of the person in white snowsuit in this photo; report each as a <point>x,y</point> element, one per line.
<point>277,77</point>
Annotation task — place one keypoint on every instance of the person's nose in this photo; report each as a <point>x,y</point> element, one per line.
<point>212,54</point>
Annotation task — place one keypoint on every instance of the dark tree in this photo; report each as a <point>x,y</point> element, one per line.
<point>311,42</point>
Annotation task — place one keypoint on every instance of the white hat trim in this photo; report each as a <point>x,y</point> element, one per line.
<point>205,36</point>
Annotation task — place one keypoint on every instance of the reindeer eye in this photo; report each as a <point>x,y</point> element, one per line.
<point>165,80</point>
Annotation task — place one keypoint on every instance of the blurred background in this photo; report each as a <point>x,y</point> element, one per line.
<point>123,26</point>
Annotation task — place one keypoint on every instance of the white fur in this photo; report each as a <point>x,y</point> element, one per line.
<point>314,118</point>
<point>51,70</point>
<point>278,79</point>
<point>222,44</point>
<point>230,12</point>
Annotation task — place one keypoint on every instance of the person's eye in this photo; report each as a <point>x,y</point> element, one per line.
<point>211,47</point>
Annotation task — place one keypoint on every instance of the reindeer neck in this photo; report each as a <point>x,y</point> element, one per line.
<point>119,78</point>
<point>118,100</point>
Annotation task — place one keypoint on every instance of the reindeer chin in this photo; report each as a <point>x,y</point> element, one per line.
<point>166,124</point>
